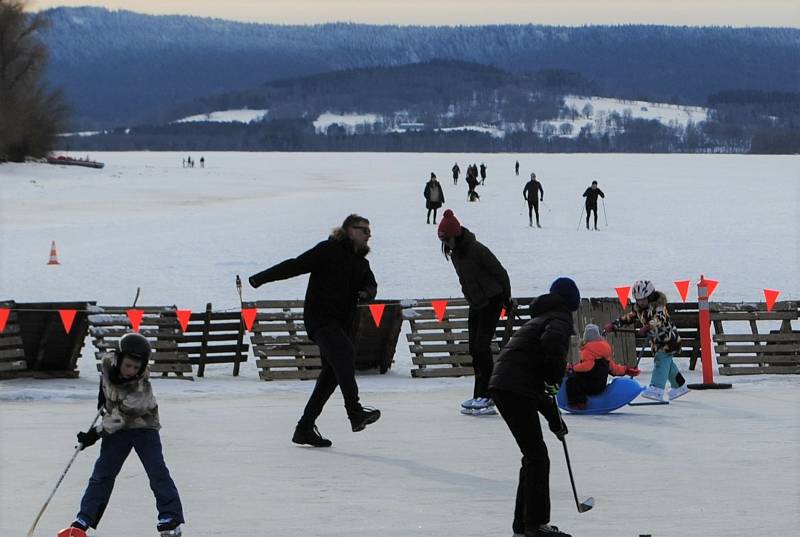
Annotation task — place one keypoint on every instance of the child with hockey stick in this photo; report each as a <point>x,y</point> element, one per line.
<point>130,421</point>
<point>523,385</point>
<point>650,309</point>
<point>589,376</point>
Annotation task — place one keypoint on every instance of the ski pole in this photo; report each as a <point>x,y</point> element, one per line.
<point>604,211</point>
<point>580,219</point>
<point>546,206</point>
<point>78,449</point>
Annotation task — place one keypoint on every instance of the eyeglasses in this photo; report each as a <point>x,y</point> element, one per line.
<point>365,229</point>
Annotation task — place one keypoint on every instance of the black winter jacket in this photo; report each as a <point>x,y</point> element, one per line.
<point>481,275</point>
<point>338,274</point>
<point>429,203</point>
<point>591,196</point>
<point>537,353</point>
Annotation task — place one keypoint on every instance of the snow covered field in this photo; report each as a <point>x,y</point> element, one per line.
<point>723,463</point>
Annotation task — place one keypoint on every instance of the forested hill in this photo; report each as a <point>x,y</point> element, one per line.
<point>120,67</point>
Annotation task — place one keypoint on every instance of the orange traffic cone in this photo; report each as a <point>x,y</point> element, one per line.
<point>53,255</point>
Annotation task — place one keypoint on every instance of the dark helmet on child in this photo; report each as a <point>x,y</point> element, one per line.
<point>134,345</point>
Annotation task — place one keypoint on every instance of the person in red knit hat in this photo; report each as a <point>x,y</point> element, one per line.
<point>487,288</point>
<point>589,376</point>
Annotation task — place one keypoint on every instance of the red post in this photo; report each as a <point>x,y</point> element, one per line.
<point>704,327</point>
<point>705,331</point>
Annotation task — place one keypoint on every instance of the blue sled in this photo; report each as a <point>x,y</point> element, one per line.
<point>618,393</point>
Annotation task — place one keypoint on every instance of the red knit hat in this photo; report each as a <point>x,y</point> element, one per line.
<point>449,227</point>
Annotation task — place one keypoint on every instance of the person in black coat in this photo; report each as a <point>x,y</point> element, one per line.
<point>591,194</point>
<point>526,376</point>
<point>340,278</point>
<point>472,184</point>
<point>483,172</point>
<point>434,197</point>
<point>487,288</point>
<point>533,193</point>
<point>456,171</point>
<point>516,168</point>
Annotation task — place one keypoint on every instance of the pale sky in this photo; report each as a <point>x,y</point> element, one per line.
<point>455,12</point>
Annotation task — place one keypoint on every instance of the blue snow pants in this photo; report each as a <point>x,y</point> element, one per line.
<point>114,450</point>
<point>664,369</point>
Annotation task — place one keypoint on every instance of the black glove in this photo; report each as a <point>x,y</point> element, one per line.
<point>549,409</point>
<point>363,297</point>
<point>88,438</point>
<point>558,427</point>
<point>252,282</point>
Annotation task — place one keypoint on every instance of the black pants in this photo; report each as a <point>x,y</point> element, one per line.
<point>482,325</point>
<point>520,413</point>
<point>591,382</point>
<point>589,209</point>
<point>533,206</point>
<point>434,215</point>
<point>338,369</point>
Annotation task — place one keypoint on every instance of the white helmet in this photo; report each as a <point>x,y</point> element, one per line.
<point>643,289</point>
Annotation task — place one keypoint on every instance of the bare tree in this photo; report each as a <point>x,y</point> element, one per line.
<point>31,115</point>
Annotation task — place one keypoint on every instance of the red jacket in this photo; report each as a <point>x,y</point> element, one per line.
<point>599,349</point>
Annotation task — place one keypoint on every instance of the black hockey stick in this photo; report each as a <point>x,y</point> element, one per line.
<point>588,503</point>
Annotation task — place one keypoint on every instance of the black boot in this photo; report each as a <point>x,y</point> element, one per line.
<point>309,435</point>
<point>546,530</point>
<point>363,416</point>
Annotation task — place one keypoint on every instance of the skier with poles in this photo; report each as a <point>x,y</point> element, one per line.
<point>533,194</point>
<point>526,377</point>
<point>650,309</point>
<point>591,195</point>
<point>340,278</point>
<point>130,421</point>
<point>487,288</point>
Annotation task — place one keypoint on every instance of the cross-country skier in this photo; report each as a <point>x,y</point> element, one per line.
<point>650,310</point>
<point>340,278</point>
<point>487,288</point>
<point>130,422</point>
<point>526,377</point>
<point>533,194</point>
<point>434,197</point>
<point>591,194</point>
<point>590,375</point>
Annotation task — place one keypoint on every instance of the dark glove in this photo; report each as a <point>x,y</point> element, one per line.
<point>363,296</point>
<point>609,328</point>
<point>558,427</point>
<point>632,371</point>
<point>642,332</point>
<point>253,283</point>
<point>88,438</point>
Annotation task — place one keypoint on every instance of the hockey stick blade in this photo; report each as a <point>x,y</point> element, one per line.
<point>648,403</point>
<point>586,505</point>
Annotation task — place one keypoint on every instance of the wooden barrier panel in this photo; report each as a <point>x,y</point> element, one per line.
<point>214,338</point>
<point>745,347</point>
<point>107,324</point>
<point>12,354</point>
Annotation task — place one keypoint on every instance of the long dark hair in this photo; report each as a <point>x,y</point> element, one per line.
<point>446,250</point>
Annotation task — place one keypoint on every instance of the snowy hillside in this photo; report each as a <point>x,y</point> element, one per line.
<point>227,116</point>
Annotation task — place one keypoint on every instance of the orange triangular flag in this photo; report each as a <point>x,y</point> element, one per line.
<point>503,313</point>
<point>183,318</point>
<point>67,317</point>
<point>4,313</point>
<point>771,295</point>
<point>712,284</point>
<point>377,312</point>
<point>249,316</point>
<point>438,308</point>
<point>683,288</point>
<point>623,293</point>
<point>135,317</point>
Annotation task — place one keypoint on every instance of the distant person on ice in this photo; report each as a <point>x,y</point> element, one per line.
<point>487,288</point>
<point>525,380</point>
<point>340,278</point>
<point>650,310</point>
<point>533,194</point>
<point>434,197</point>
<point>472,184</point>
<point>483,172</point>
<point>202,162</point>
<point>590,375</point>
<point>130,422</point>
<point>516,168</point>
<point>591,194</point>
<point>456,171</point>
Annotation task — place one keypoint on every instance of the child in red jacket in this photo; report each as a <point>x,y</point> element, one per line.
<point>591,373</point>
